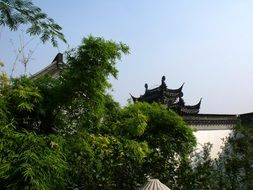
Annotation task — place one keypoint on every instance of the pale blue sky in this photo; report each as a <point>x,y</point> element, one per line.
<point>206,44</point>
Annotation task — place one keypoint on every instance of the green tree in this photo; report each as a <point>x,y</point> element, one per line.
<point>199,171</point>
<point>231,170</point>
<point>30,161</point>
<point>71,128</point>
<point>36,114</point>
<point>167,135</point>
<point>13,13</point>
<point>236,159</point>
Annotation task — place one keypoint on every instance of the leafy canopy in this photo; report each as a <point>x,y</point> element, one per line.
<point>70,128</point>
<point>13,13</point>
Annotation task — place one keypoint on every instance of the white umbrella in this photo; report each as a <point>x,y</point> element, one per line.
<point>154,184</point>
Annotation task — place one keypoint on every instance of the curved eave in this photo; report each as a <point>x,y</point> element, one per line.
<point>197,106</point>
<point>134,98</point>
<point>191,109</point>
<point>185,110</point>
<point>175,91</point>
<point>53,69</point>
<point>154,90</point>
<point>154,97</point>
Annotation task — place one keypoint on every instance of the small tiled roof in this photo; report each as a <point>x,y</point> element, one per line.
<point>52,69</point>
<point>170,97</point>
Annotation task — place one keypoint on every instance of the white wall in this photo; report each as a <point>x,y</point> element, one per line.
<point>214,137</point>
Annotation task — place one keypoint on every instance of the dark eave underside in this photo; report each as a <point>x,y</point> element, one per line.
<point>211,119</point>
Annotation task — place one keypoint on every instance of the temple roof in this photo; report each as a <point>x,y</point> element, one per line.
<point>191,109</point>
<point>52,69</point>
<point>170,97</point>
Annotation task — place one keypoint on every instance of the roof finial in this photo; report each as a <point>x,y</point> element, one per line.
<point>58,58</point>
<point>163,81</point>
<point>146,87</point>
